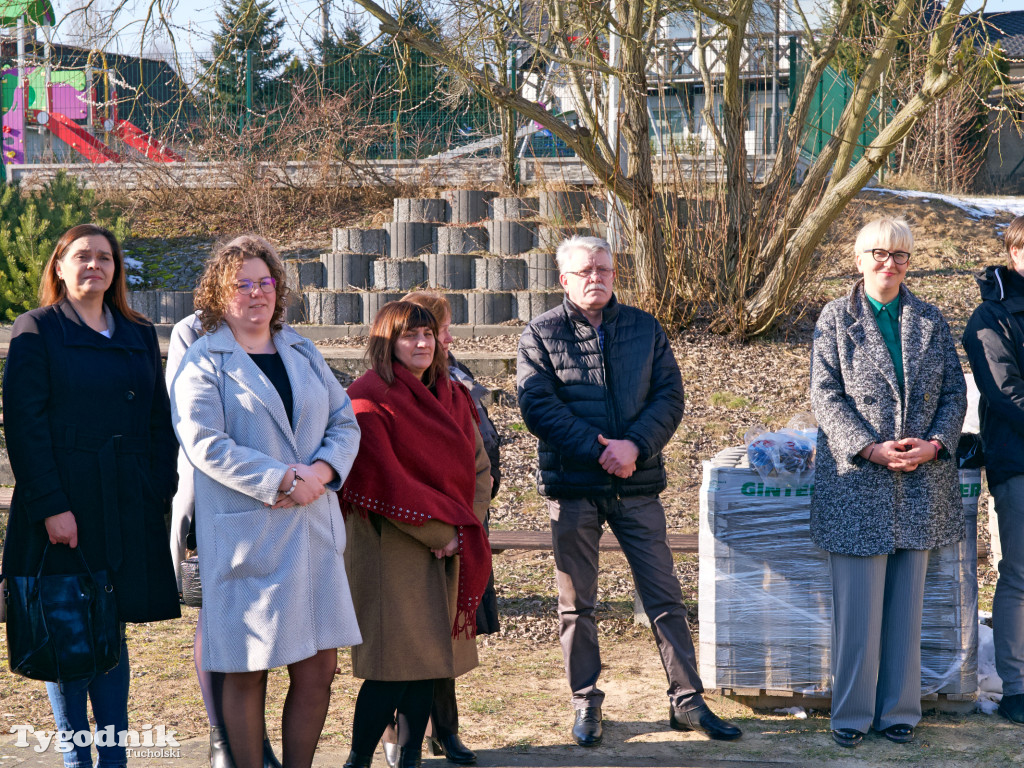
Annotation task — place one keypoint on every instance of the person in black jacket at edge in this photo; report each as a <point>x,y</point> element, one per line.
<point>994,342</point>
<point>600,388</point>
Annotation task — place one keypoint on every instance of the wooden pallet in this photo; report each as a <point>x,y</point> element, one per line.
<point>769,698</point>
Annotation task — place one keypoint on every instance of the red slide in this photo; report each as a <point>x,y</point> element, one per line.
<point>65,129</point>
<point>142,142</point>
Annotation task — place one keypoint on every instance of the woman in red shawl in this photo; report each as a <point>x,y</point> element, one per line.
<point>418,558</point>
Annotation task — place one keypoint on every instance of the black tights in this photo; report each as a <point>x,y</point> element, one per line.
<point>376,705</point>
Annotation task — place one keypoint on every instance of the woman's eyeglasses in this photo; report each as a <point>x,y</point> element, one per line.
<point>248,287</point>
<point>881,255</point>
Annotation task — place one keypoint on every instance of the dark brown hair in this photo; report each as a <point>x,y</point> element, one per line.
<point>433,302</point>
<point>52,289</point>
<point>394,319</point>
<point>1013,237</point>
<point>217,285</point>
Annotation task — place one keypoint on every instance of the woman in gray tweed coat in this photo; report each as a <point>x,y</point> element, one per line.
<point>890,397</point>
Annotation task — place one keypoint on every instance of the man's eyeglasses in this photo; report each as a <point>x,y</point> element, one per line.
<point>881,255</point>
<point>248,287</point>
<point>586,274</point>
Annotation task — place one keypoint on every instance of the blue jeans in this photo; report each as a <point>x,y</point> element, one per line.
<point>109,696</point>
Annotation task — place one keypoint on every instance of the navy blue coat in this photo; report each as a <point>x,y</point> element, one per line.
<point>570,392</point>
<point>88,427</point>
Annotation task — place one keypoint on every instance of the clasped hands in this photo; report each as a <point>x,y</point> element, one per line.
<point>900,455</point>
<point>310,487</point>
<point>618,457</point>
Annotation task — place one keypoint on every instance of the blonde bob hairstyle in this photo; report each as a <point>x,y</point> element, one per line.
<point>888,233</point>
<point>217,285</point>
<point>392,320</point>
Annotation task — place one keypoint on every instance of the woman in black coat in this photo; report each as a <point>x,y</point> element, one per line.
<point>88,428</point>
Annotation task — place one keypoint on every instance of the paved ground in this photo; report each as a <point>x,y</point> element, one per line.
<point>193,754</point>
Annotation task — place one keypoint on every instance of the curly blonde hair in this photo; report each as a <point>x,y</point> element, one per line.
<point>217,285</point>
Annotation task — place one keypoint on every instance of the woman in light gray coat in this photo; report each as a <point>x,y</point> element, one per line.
<point>889,395</point>
<point>272,436</point>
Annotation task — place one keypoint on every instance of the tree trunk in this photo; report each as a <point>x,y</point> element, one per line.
<point>509,158</point>
<point>642,220</point>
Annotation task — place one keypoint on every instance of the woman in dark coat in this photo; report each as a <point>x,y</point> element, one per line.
<point>890,397</point>
<point>88,428</point>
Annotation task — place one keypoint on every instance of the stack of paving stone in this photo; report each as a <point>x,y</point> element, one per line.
<point>162,306</point>
<point>492,257</point>
<point>765,598</point>
<point>478,249</point>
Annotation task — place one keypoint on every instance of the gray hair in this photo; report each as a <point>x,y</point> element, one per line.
<point>590,245</point>
<point>887,232</point>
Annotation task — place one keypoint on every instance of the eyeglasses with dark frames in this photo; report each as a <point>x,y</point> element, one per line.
<point>248,287</point>
<point>586,274</point>
<point>881,255</point>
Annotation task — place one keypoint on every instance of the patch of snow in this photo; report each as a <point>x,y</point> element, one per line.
<point>797,712</point>
<point>134,279</point>
<point>976,207</point>
<point>130,263</point>
<point>988,703</point>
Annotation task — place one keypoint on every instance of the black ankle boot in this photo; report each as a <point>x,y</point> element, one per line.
<point>355,760</point>
<point>220,752</point>
<point>269,758</point>
<point>451,746</point>
<point>410,757</point>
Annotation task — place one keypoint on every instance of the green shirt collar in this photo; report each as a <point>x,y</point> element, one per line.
<point>892,309</point>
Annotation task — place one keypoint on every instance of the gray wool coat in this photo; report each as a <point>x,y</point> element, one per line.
<point>274,584</point>
<point>860,508</point>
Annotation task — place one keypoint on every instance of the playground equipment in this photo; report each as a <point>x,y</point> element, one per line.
<point>49,114</point>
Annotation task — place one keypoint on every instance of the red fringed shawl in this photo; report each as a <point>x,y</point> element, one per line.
<point>417,462</point>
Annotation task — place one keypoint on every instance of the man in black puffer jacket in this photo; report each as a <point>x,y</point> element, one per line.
<point>994,342</point>
<point>599,386</point>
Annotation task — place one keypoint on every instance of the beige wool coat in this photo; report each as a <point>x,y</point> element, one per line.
<point>405,597</point>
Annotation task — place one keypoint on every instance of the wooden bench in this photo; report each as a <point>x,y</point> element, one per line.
<point>536,541</point>
<point>541,540</point>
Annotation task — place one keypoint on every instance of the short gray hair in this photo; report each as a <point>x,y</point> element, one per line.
<point>887,232</point>
<point>589,244</point>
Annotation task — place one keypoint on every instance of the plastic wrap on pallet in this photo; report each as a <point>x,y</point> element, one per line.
<point>765,597</point>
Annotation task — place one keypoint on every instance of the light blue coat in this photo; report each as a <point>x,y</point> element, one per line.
<point>274,584</point>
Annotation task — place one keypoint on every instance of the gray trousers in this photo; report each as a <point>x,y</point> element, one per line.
<point>639,525</point>
<point>877,604</point>
<point>1008,603</point>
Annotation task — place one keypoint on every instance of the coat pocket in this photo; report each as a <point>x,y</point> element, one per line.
<point>253,544</point>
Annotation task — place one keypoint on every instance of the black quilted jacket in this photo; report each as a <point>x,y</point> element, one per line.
<point>570,392</point>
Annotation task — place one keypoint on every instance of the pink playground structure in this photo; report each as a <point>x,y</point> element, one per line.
<point>53,115</point>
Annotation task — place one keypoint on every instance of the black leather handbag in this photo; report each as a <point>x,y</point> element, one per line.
<point>191,585</point>
<point>62,627</point>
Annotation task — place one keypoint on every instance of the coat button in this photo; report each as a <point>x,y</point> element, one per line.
<point>129,395</point>
<point>927,396</point>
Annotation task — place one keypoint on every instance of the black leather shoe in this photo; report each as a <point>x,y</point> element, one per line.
<point>391,754</point>
<point>702,719</point>
<point>220,752</point>
<point>269,758</point>
<point>1012,708</point>
<point>410,757</point>
<point>355,760</point>
<point>847,737</point>
<point>900,733</point>
<point>587,730</point>
<point>451,746</point>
